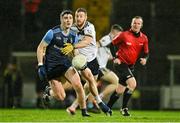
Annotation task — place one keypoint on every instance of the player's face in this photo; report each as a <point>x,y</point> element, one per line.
<point>67,21</point>
<point>80,18</point>
<point>136,25</point>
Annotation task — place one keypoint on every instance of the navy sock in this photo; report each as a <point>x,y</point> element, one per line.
<point>126,97</point>
<point>114,97</point>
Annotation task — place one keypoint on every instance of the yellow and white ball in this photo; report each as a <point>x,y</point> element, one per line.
<point>79,62</point>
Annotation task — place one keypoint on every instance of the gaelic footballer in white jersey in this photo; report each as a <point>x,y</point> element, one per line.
<point>89,51</point>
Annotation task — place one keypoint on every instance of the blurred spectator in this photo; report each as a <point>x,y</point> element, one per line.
<point>31,9</point>
<point>12,86</point>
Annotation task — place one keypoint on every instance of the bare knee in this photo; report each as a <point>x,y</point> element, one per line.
<point>60,97</point>
<point>58,90</point>
<point>120,89</point>
<point>132,85</point>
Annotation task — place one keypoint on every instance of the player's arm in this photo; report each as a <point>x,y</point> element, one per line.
<point>116,40</point>
<point>113,45</point>
<point>41,51</point>
<point>88,38</point>
<point>105,41</point>
<point>40,54</point>
<point>145,56</point>
<point>42,46</point>
<point>84,42</point>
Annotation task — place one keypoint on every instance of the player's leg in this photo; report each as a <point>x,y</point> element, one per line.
<point>125,75</point>
<point>115,95</point>
<point>72,109</point>
<point>92,105</point>
<point>131,85</point>
<point>73,77</point>
<point>90,80</point>
<point>112,80</point>
<point>57,90</point>
<point>67,86</point>
<point>54,90</point>
<point>93,89</point>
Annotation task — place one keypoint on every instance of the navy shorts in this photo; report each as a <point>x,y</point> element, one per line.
<point>57,71</point>
<point>93,66</point>
<point>124,72</point>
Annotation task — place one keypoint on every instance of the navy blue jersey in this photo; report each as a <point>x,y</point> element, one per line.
<point>56,40</point>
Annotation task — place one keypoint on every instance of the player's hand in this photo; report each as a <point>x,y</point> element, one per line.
<point>42,72</point>
<point>68,47</point>
<point>143,61</point>
<point>117,61</point>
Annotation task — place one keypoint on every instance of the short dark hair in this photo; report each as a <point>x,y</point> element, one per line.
<point>81,10</point>
<point>66,12</point>
<point>116,27</point>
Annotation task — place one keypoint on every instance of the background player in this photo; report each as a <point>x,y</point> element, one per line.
<point>103,56</point>
<point>105,74</point>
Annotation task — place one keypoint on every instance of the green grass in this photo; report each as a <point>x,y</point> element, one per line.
<point>35,115</point>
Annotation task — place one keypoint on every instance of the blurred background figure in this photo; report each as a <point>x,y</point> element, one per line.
<point>31,8</point>
<point>12,86</point>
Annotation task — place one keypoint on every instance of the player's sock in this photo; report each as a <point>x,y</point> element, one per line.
<point>126,97</point>
<point>101,95</point>
<point>75,104</point>
<point>98,99</point>
<point>105,108</point>
<point>114,97</point>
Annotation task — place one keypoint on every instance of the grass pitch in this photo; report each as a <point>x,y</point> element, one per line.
<point>36,115</point>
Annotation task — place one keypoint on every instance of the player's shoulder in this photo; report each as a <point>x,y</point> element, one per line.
<point>144,35</point>
<point>74,28</point>
<point>105,40</point>
<point>56,29</point>
<point>89,25</point>
<point>72,32</point>
<point>127,32</point>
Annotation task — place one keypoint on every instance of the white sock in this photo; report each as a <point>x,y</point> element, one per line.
<point>101,95</point>
<point>98,99</point>
<point>75,104</point>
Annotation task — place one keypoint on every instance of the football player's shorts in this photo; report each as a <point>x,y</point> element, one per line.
<point>57,71</point>
<point>94,67</point>
<point>124,72</point>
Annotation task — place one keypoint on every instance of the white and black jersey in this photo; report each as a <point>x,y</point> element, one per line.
<point>104,53</point>
<point>89,51</point>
